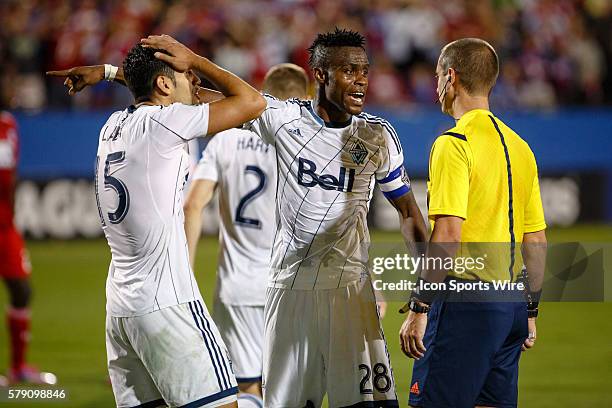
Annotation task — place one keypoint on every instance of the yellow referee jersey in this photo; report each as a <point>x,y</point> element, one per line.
<point>483,172</point>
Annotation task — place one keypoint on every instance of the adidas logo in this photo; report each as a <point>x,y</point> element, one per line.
<point>415,388</point>
<point>295,132</point>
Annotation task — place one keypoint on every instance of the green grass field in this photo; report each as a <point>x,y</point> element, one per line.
<point>571,366</point>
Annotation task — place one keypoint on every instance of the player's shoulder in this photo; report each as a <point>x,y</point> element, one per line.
<point>375,121</point>
<point>113,117</point>
<point>379,126</point>
<point>284,107</point>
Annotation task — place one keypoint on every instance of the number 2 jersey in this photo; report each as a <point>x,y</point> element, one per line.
<point>245,169</point>
<point>141,169</point>
<point>326,175</point>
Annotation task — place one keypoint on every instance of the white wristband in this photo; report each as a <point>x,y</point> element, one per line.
<point>110,71</point>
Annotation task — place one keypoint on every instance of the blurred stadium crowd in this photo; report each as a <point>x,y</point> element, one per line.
<point>554,52</point>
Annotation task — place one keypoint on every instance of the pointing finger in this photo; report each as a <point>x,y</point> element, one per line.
<point>63,72</point>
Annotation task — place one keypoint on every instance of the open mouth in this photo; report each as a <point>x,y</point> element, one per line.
<point>357,97</point>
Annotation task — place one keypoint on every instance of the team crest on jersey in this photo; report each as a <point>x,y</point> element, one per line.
<point>295,132</point>
<point>358,152</point>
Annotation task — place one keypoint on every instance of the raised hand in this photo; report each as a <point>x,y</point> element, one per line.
<point>78,78</point>
<point>178,56</point>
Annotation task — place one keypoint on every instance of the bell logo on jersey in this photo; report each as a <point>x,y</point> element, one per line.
<point>308,177</point>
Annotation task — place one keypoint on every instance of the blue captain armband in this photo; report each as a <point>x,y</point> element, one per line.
<point>396,184</point>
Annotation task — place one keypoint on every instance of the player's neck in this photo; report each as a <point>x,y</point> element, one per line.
<point>465,103</point>
<point>155,99</point>
<point>328,112</point>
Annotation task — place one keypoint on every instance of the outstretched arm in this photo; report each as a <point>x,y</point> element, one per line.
<point>78,78</point>
<point>242,102</point>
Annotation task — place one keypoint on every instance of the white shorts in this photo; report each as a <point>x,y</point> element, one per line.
<point>326,341</point>
<point>172,356</point>
<point>242,330</point>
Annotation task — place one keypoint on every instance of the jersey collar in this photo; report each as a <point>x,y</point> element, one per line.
<point>327,124</point>
<point>470,114</point>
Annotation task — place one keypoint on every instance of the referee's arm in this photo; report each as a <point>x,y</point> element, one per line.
<point>534,253</point>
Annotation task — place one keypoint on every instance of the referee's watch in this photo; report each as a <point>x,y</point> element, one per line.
<point>417,307</point>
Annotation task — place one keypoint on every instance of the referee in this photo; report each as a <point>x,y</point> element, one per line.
<point>482,188</point>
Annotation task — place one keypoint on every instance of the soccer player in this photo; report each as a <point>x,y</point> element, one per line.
<point>244,169</point>
<point>162,346</point>
<point>14,263</point>
<point>483,188</point>
<point>322,330</point>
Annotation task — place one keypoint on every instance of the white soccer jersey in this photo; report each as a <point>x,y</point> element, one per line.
<point>141,168</point>
<point>326,173</point>
<point>245,169</point>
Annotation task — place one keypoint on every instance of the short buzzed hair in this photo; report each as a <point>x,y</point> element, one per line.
<point>475,61</point>
<point>285,81</point>
<point>320,49</point>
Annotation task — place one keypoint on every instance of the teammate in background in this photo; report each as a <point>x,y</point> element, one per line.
<point>161,344</point>
<point>14,263</point>
<point>483,187</point>
<point>322,330</point>
<point>244,169</point>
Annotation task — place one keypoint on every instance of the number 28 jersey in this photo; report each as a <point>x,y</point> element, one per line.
<point>326,175</point>
<point>141,169</point>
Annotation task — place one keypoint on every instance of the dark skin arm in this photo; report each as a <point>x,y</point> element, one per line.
<point>447,232</point>
<point>412,225</point>
<point>78,78</point>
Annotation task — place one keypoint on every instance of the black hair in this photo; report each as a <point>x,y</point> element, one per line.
<point>141,69</point>
<point>319,50</point>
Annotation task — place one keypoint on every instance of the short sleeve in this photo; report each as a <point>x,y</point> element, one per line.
<point>391,175</point>
<point>181,122</point>
<point>272,118</point>
<point>449,177</point>
<point>208,166</point>
<point>534,212</point>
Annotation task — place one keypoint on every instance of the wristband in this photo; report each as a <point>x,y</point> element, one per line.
<point>416,307</point>
<point>531,313</point>
<point>110,71</point>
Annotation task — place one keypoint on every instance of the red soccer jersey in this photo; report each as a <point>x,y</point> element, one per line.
<point>9,153</point>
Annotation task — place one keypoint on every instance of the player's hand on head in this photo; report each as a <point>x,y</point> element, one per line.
<point>411,335</point>
<point>531,337</point>
<point>78,78</point>
<point>179,57</point>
